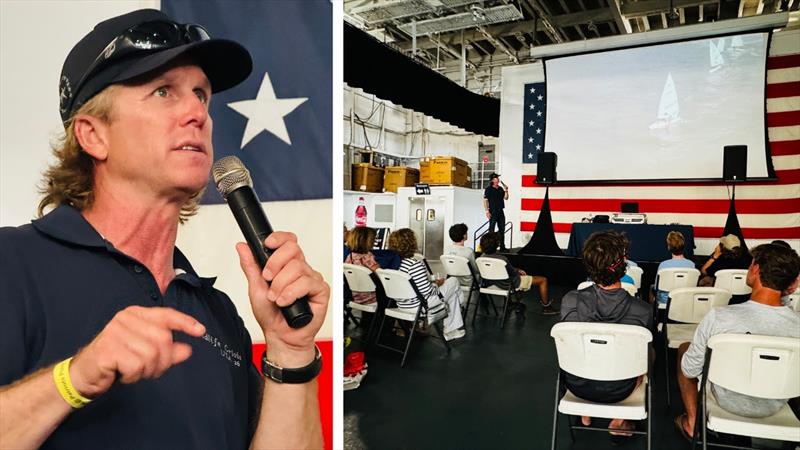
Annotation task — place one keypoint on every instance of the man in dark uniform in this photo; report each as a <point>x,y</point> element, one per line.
<point>493,204</point>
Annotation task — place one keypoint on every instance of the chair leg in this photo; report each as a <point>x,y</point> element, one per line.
<point>704,424</point>
<point>505,311</point>
<point>469,301</point>
<point>666,367</point>
<point>439,329</point>
<point>649,411</point>
<point>380,330</point>
<point>371,329</point>
<point>571,430</point>
<point>408,344</point>
<point>555,414</point>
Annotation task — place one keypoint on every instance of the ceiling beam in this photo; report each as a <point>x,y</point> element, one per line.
<point>650,7</point>
<point>505,29</point>
<point>498,44</point>
<point>622,22</point>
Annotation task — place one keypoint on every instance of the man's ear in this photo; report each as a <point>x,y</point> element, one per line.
<point>92,135</point>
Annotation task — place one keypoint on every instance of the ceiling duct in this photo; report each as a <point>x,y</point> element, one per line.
<point>378,13</point>
<point>488,16</point>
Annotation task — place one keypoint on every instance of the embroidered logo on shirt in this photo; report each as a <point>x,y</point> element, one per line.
<point>225,351</point>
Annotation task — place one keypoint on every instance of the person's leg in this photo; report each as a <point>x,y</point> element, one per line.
<point>541,283</point>
<point>492,221</point>
<point>501,227</point>
<point>688,388</point>
<point>451,292</point>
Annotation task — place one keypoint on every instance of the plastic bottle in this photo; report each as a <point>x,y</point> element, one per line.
<point>361,213</point>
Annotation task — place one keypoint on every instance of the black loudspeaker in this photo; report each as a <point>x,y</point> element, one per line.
<point>734,165</point>
<point>546,168</point>
<point>600,218</point>
<point>630,207</point>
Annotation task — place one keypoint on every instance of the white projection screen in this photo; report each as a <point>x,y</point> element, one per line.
<point>661,112</point>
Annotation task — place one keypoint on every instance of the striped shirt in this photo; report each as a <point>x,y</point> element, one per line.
<point>419,276</point>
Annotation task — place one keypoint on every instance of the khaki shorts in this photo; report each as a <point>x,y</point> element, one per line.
<point>525,282</point>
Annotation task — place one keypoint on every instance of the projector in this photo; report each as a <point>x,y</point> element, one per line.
<point>632,218</point>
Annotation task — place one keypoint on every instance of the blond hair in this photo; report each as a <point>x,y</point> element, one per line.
<point>70,180</point>
<point>361,239</point>
<point>675,242</point>
<point>404,242</point>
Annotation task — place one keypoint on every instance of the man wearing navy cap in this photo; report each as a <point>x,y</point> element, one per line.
<point>108,337</point>
<point>493,204</point>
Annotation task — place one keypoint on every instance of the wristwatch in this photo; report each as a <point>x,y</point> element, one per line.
<point>292,376</point>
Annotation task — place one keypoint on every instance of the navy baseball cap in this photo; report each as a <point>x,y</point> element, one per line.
<point>133,44</point>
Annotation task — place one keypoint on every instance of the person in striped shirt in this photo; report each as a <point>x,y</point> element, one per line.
<point>404,242</point>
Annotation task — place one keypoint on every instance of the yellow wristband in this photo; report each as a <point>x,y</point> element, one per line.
<point>65,387</point>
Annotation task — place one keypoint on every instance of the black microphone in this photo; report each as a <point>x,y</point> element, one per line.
<point>236,187</point>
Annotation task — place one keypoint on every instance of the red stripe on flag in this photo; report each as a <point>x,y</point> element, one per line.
<point>783,119</point>
<point>783,62</point>
<point>699,232</point>
<point>778,90</point>
<point>784,148</point>
<point>698,206</point>
<point>784,177</point>
<point>324,384</point>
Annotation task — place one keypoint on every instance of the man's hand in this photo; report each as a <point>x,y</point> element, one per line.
<point>285,278</point>
<point>136,344</point>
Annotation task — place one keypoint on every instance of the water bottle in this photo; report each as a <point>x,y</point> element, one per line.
<point>361,213</point>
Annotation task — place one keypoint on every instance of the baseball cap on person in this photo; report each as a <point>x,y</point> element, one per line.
<point>133,44</point>
<point>494,175</point>
<point>730,242</point>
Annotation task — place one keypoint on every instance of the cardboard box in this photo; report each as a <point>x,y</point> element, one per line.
<point>395,177</point>
<point>367,178</point>
<point>444,170</point>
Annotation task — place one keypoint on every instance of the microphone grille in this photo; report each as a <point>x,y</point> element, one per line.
<point>229,174</point>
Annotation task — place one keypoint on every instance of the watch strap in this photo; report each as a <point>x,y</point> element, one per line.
<point>298,375</point>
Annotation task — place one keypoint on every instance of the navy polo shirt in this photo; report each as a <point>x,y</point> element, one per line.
<point>61,283</point>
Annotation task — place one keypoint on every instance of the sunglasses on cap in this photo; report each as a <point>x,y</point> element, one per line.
<point>144,37</point>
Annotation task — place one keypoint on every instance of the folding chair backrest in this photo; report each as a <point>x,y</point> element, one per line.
<point>601,351</point>
<point>358,278</point>
<point>677,277</point>
<point>635,272</point>
<point>396,284</point>
<point>492,269</point>
<point>793,300</point>
<point>455,266</point>
<point>585,284</point>
<point>630,288</point>
<point>734,280</point>
<point>691,304</point>
<point>759,366</point>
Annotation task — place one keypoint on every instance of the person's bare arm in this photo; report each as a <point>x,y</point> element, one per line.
<point>289,415</point>
<point>711,260</point>
<point>486,208</point>
<point>136,344</point>
<point>505,191</point>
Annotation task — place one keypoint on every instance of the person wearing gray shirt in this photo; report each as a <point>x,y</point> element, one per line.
<point>774,269</point>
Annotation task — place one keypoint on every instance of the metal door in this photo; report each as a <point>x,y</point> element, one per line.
<point>434,228</point>
<point>416,219</point>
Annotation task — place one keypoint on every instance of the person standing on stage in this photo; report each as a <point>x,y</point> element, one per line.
<point>493,203</point>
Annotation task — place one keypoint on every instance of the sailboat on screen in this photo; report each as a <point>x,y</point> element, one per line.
<point>668,108</point>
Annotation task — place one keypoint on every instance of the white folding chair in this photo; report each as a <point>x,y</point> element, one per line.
<point>603,352</point>
<point>635,272</point>
<point>494,270</point>
<point>734,280</point>
<point>458,266</point>
<point>687,306</point>
<point>758,366</point>
<point>398,285</point>
<point>674,278</point>
<point>359,279</point>
<point>793,300</point>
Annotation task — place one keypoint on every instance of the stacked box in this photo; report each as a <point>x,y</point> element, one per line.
<point>367,178</point>
<point>395,177</point>
<point>444,170</point>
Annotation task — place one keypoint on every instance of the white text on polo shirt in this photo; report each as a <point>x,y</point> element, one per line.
<point>226,352</point>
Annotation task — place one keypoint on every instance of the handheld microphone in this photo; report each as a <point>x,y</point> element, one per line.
<point>235,185</point>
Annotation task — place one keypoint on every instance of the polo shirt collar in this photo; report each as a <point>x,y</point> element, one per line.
<point>67,224</point>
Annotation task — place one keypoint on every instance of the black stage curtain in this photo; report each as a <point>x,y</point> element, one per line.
<point>390,75</point>
<point>732,223</point>
<point>543,241</point>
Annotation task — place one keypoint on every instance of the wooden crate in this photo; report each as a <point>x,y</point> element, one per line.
<point>396,177</point>
<point>444,170</point>
<point>367,178</point>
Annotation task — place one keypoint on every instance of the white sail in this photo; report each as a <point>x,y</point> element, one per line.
<point>668,108</point>
<point>715,59</point>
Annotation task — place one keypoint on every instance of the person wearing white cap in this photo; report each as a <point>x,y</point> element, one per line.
<point>728,254</point>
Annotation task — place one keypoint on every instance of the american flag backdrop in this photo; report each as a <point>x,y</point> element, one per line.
<point>766,210</point>
<point>533,118</point>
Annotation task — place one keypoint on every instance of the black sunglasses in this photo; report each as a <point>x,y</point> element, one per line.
<point>147,36</point>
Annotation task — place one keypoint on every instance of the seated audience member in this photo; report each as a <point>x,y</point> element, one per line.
<point>360,242</point>
<point>458,235</point>
<point>675,245</point>
<point>605,301</point>
<point>728,254</point>
<point>774,269</point>
<point>518,278</point>
<point>404,242</point>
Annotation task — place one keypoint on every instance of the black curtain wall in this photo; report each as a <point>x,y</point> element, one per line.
<point>380,70</point>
